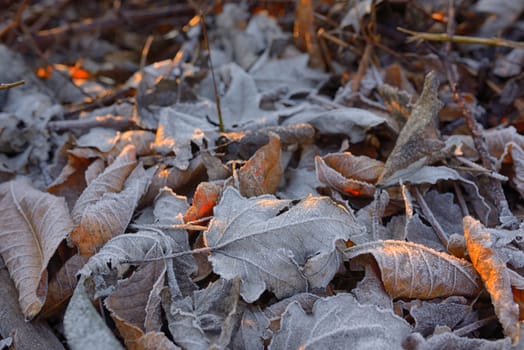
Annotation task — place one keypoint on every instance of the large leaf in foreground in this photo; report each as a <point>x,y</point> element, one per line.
<point>33,225</point>
<point>340,322</point>
<point>272,244</point>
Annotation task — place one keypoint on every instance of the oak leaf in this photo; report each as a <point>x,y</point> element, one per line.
<point>340,322</point>
<point>294,243</point>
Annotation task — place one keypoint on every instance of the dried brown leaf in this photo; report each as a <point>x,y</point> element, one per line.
<point>110,181</point>
<point>62,285</point>
<point>110,215</point>
<point>261,174</point>
<point>412,270</point>
<point>135,304</point>
<point>204,200</point>
<point>155,341</point>
<point>419,138</point>
<point>349,174</point>
<point>71,182</point>
<point>494,274</point>
<point>33,225</point>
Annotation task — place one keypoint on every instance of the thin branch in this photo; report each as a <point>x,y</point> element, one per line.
<point>5,86</point>
<point>215,88</point>
<point>442,236</point>
<point>460,39</point>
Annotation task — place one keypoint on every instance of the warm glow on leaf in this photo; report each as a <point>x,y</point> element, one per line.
<point>79,73</point>
<point>411,270</point>
<point>44,72</point>
<point>261,174</point>
<point>494,274</point>
<point>204,200</point>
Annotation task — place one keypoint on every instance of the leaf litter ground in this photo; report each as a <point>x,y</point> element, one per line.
<point>366,192</point>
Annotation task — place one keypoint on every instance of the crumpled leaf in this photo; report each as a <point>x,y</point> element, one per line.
<point>431,175</point>
<point>176,132</point>
<point>295,244</point>
<point>411,270</point>
<point>261,173</point>
<point>84,329</point>
<point>33,225</point>
<point>241,101</point>
<point>110,215</point>
<point>206,318</point>
<point>71,181</point>
<point>155,341</point>
<point>290,75</point>
<point>419,137</point>
<point>340,322</point>
<point>449,340</point>
<point>169,210</point>
<point>204,200</point>
<point>449,312</point>
<point>494,274</point>
<point>103,139</point>
<point>135,304</point>
<point>353,122</point>
<point>110,181</point>
<point>349,174</point>
<point>62,285</point>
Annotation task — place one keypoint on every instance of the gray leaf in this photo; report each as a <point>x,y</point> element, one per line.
<point>271,244</point>
<point>340,322</point>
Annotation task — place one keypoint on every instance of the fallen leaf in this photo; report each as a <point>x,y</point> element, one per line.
<point>411,270</point>
<point>419,137</point>
<point>110,181</point>
<point>261,173</point>
<point>340,322</point>
<point>34,224</point>
<point>84,329</point>
<point>204,200</point>
<point>175,133</point>
<point>62,285</point>
<point>199,321</point>
<point>155,341</point>
<point>135,304</point>
<point>109,215</point>
<point>494,274</point>
<point>349,174</point>
<point>286,237</point>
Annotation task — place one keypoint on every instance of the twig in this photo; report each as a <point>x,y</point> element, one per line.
<point>475,167</point>
<point>429,216</point>
<point>32,43</point>
<point>5,86</point>
<point>215,88</point>
<point>460,39</point>
<point>474,326</point>
<point>45,38</point>
<point>108,121</point>
<point>460,199</point>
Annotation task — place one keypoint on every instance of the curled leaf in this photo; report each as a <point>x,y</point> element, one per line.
<point>261,174</point>
<point>494,274</point>
<point>410,270</point>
